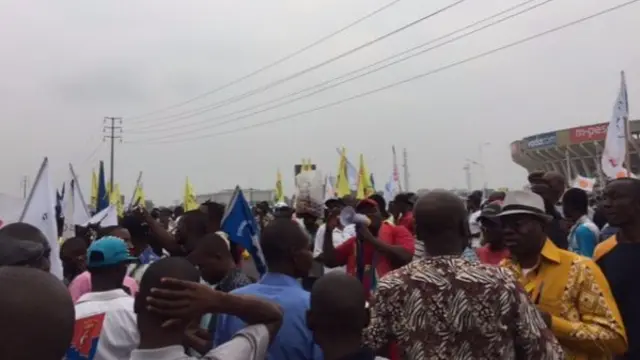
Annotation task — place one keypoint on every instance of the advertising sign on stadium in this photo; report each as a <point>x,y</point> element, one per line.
<point>588,133</point>
<point>540,141</point>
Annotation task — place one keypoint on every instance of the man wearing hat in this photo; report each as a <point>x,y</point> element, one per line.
<point>106,313</point>
<point>16,252</point>
<point>569,290</point>
<point>333,206</point>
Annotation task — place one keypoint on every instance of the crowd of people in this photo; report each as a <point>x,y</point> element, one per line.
<point>542,273</point>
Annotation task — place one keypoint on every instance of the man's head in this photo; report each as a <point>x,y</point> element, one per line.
<point>164,216</point>
<point>139,233</point>
<point>73,254</point>
<point>107,261</point>
<point>370,209</point>
<point>115,230</point>
<point>349,200</point>
<point>621,202</point>
<point>26,232</point>
<point>382,205</point>
<point>403,203</point>
<point>193,225</point>
<point>474,200</point>
<point>575,204</point>
<point>549,185</point>
<point>523,220</point>
<point>441,222</point>
<point>338,309</point>
<point>490,225</point>
<point>173,267</point>
<point>178,211</point>
<point>215,212</point>
<point>212,255</point>
<point>286,248</point>
<point>37,315</point>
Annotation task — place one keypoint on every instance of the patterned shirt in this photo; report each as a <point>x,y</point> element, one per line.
<point>573,290</point>
<point>235,279</point>
<point>449,308</point>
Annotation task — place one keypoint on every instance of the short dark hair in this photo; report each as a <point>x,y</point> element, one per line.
<point>215,211</point>
<point>175,267</point>
<point>338,303</point>
<point>576,199</point>
<point>136,228</point>
<point>280,238</point>
<point>37,311</point>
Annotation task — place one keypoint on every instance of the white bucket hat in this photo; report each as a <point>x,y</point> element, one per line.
<point>524,202</point>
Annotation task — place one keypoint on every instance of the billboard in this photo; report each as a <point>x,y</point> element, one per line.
<point>595,132</point>
<point>540,141</point>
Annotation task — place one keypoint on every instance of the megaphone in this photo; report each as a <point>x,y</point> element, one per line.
<point>349,216</point>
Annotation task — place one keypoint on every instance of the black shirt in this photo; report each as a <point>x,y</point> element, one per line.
<point>621,266</point>
<point>362,354</point>
<point>555,230</point>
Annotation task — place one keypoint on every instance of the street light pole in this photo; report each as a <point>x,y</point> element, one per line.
<point>482,167</point>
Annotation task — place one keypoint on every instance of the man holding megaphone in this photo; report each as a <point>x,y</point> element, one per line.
<point>377,248</point>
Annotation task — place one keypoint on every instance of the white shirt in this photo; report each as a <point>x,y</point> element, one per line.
<point>250,343</point>
<point>338,237</point>
<point>111,314</point>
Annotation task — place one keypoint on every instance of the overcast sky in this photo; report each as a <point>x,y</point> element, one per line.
<point>67,64</point>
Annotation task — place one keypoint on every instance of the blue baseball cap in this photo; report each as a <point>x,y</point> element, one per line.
<point>107,251</point>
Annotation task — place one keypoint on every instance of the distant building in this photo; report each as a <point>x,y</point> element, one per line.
<point>253,196</point>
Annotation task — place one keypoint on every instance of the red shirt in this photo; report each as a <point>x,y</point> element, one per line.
<point>346,253</point>
<point>408,221</point>
<point>487,256</point>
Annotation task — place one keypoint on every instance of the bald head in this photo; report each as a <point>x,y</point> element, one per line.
<point>37,315</point>
<point>338,305</point>
<point>438,214</point>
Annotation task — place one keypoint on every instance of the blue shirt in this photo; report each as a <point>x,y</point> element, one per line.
<point>148,256</point>
<point>583,237</point>
<point>294,340</point>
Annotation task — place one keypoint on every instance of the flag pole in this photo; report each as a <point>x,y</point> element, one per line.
<point>135,189</point>
<point>45,162</point>
<point>627,131</point>
<point>79,192</point>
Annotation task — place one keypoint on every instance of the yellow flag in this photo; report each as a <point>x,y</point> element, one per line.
<point>116,199</point>
<point>138,196</point>
<point>279,191</point>
<point>365,188</point>
<point>309,167</point>
<point>94,188</point>
<point>189,197</point>
<point>342,182</point>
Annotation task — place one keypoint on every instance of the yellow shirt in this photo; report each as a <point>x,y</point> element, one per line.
<point>573,290</point>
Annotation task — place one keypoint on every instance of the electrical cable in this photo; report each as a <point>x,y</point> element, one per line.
<point>407,80</point>
<point>268,66</point>
<point>263,88</point>
<point>151,128</point>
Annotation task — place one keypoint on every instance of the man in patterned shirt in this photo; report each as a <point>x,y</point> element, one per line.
<point>569,290</point>
<point>445,307</point>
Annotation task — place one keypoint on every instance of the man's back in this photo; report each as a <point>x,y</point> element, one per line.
<point>105,326</point>
<point>294,340</point>
<point>449,308</point>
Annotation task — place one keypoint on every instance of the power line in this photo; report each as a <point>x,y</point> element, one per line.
<point>494,23</point>
<point>272,84</point>
<point>91,155</point>
<point>410,79</point>
<point>273,64</point>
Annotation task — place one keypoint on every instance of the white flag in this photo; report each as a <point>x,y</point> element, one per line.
<point>329,190</point>
<point>40,212</point>
<point>614,152</point>
<point>584,183</point>
<point>74,208</point>
<point>106,217</point>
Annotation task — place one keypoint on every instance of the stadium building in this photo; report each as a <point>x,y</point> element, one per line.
<point>580,147</point>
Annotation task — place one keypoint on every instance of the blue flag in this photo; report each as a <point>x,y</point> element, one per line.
<point>240,224</point>
<point>103,199</point>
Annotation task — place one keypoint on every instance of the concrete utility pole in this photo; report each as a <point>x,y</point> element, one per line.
<point>112,130</point>
<point>405,166</point>
<point>24,186</point>
<point>467,172</point>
